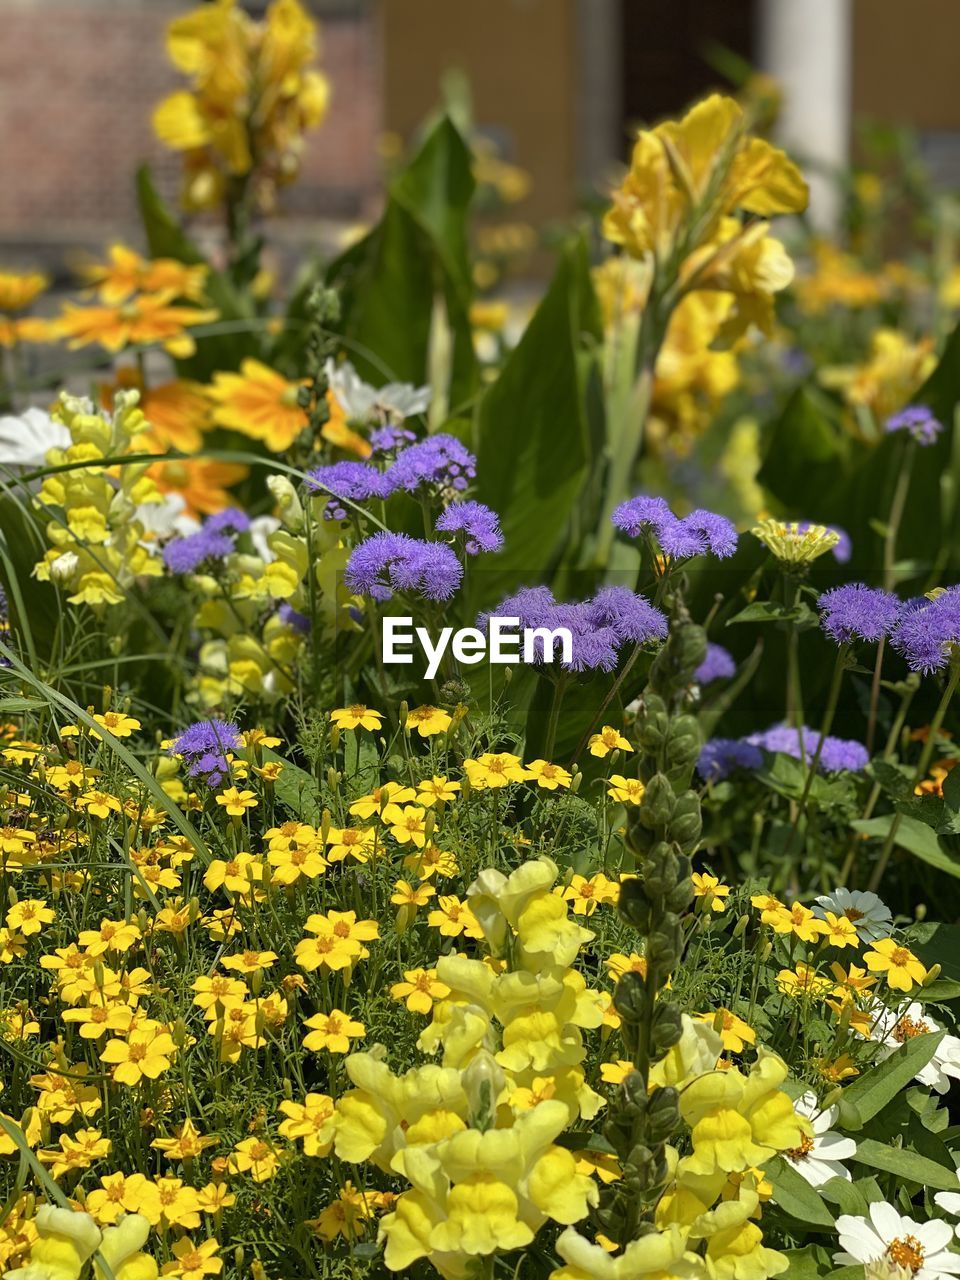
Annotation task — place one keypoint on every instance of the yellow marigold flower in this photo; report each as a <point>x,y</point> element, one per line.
<point>259,403</point>
<point>29,916</point>
<point>100,803</point>
<point>409,900</point>
<point>18,291</point>
<point>215,1197</point>
<point>186,1144</point>
<point>494,769</point>
<point>338,940</point>
<point>733,1031</point>
<point>902,968</point>
<point>765,902</point>
<point>358,716</point>
<point>332,1031</point>
<point>313,1120</point>
<point>389,793</point>
<point>346,1216</point>
<point>193,1261</point>
<point>840,932</point>
<point>428,721</point>
<point>165,1202</point>
<point>99,1017</point>
<point>793,544</point>
<point>625,790</point>
<point>15,839</point>
<point>249,962</point>
<point>838,1069</point>
<point>707,886</point>
<point>453,918</point>
<point>351,842</point>
<point>77,1151</point>
<point>549,776</point>
<point>292,863</point>
<point>13,946</point>
<point>849,980</point>
<point>105,1203</point>
<point>803,982</point>
<point>407,825</point>
<point>619,964</point>
<point>436,790</point>
<point>115,722</point>
<point>586,895</point>
<point>256,1157</point>
<point>607,740</point>
<point>236,802</point>
<point>798,920</point>
<point>141,321</point>
<point>419,990</point>
<point>126,273</point>
<point>145,1054</point>
<point>239,875</point>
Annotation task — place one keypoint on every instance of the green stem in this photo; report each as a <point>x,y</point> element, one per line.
<point>921,771</point>
<point>829,712</point>
<point>875,695</point>
<point>614,690</point>
<point>897,507</point>
<point>559,689</point>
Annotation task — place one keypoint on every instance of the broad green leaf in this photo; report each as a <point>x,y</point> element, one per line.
<point>872,1091</point>
<point>298,790</point>
<point>905,1164</point>
<point>774,611</point>
<point>535,443</point>
<point>914,836</point>
<point>951,789</point>
<point>796,1196</point>
<point>804,452</point>
<point>803,1263</point>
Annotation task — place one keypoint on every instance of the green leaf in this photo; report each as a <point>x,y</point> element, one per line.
<point>166,239</point>
<point>390,281</point>
<point>774,611</point>
<point>535,443</point>
<point>298,790</point>
<point>872,1091</point>
<point>803,1263</point>
<point>906,1164</point>
<point>914,836</point>
<point>804,452</point>
<point>796,1197</point>
<point>951,789</point>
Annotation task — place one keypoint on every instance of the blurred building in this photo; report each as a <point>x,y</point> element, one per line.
<point>557,85</point>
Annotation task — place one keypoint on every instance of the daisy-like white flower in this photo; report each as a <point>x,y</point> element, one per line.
<point>893,1028</point>
<point>168,518</point>
<point>818,1159</point>
<point>919,1248</point>
<point>864,910</point>
<point>26,439</point>
<point>360,401</point>
<point>949,1202</point>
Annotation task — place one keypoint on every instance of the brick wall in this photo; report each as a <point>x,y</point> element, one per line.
<point>78,81</point>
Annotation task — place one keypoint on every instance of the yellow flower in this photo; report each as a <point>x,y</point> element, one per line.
<point>431,861</point>
<point>840,932</point>
<point>140,321</point>
<point>236,802</point>
<point>793,545</point>
<point>625,790</point>
<point>29,916</point>
<point>193,1261</point>
<point>407,824</point>
<point>100,803</point>
<point>428,721</point>
<point>887,380</point>
<point>619,964</point>
<point>353,842</point>
<point>165,1202</point>
<point>256,1157</point>
<point>215,1197</point>
<point>419,990</point>
<point>453,917</point>
<point>115,722</point>
<point>18,291</point>
<point>607,740</point>
<point>126,273</point>
<point>436,790</point>
<point>358,717</point>
<point>186,1144</point>
<point>390,792</point>
<point>144,1054</point>
<point>493,770</point>
<point>661,1255</point>
<point>902,968</point>
<point>409,900</point>
<point>587,895</point>
<point>733,1031</point>
<point>77,1151</point>
<point>248,962</point>
<point>798,920</point>
<point>803,982</point>
<point>313,1120</point>
<point>549,776</point>
<point>259,403</point>
<point>332,1031</point>
<point>707,886</point>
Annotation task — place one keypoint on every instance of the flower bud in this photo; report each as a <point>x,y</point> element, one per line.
<point>288,502</point>
<point>658,802</point>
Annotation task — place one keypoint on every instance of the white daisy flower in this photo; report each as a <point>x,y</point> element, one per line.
<point>949,1202</point>
<point>863,909</point>
<point>361,402</point>
<point>26,439</point>
<point>892,1028</point>
<point>818,1159</point>
<point>167,519</point>
<point>919,1248</point>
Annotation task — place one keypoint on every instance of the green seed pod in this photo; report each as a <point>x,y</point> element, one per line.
<point>631,998</point>
<point>658,802</point>
<point>661,869</point>
<point>666,1029</point>
<point>663,1114</point>
<point>635,905</point>
<point>686,821</point>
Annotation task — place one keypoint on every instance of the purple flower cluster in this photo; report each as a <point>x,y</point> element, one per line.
<point>294,618</point>
<point>919,421</point>
<point>858,612</point>
<point>721,756</point>
<point>391,439</point>
<point>717,665</point>
<point>390,562</point>
<point>439,462</point>
<point>185,555</point>
<point>694,535</point>
<point>479,525</point>
<point>350,481</point>
<point>927,630</point>
<point>598,627</point>
<point>203,747</point>
<point>231,520</point>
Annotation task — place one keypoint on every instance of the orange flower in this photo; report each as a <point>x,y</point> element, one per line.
<point>18,291</point>
<point>178,412</point>
<point>202,484</point>
<point>259,403</point>
<point>146,319</point>
<point>27,329</point>
<point>338,433</point>
<point>127,273</point>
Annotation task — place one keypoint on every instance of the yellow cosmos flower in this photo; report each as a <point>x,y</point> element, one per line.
<point>256,1157</point>
<point>707,886</point>
<point>428,721</point>
<point>625,790</point>
<point>259,403</point>
<point>358,717</point>
<point>236,802</point>
<point>146,320</point>
<point>549,777</point>
<point>901,967</point>
<point>494,769</point>
<point>332,1031</point>
<point>115,722</point>
<point>145,1054</point>
<point>607,740</point>
<point>313,1121</point>
<point>419,990</point>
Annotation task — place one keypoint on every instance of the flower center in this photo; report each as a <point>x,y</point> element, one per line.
<point>853,914</point>
<point>906,1251</point>
<point>907,1028</point>
<point>801,1152</point>
<point>900,956</point>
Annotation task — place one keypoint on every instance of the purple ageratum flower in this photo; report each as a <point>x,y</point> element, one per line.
<point>203,746</point>
<point>351,481</point>
<point>390,562</point>
<point>440,462</point>
<point>185,555</point>
<point>919,421</point>
<point>927,630</point>
<point>722,756</point>
<point>717,665</point>
<point>479,525</point>
<point>858,612</point>
<point>232,520</point>
<point>836,755</point>
<point>630,615</point>
<point>391,439</point>
<point>699,533</point>
<point>294,618</point>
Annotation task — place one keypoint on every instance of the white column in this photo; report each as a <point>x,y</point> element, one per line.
<point>806,45</point>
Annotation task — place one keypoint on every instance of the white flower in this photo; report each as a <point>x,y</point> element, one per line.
<point>920,1248</point>
<point>261,528</point>
<point>892,1028</point>
<point>26,440</point>
<point>166,519</point>
<point>818,1159</point>
<point>862,908</point>
<point>361,402</point>
<point>949,1202</point>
